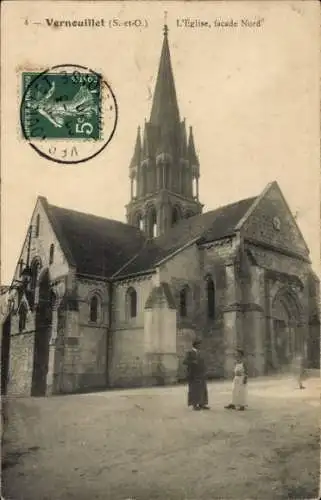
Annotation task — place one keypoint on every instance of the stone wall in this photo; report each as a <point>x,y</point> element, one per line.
<point>143,286</point>
<point>40,246</point>
<point>191,267</point>
<point>21,364</point>
<point>127,356</point>
<point>274,274</point>
<point>84,350</point>
<point>21,345</point>
<point>127,368</point>
<point>21,355</point>
<point>272,222</point>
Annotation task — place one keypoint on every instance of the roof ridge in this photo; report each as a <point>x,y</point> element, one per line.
<point>88,214</point>
<point>132,259</point>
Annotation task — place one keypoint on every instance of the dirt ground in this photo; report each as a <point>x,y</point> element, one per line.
<point>145,444</point>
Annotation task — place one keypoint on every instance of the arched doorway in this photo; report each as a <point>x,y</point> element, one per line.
<point>42,337</point>
<point>286,332</point>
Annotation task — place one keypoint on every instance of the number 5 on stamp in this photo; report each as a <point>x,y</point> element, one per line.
<point>70,104</point>
<point>62,106</point>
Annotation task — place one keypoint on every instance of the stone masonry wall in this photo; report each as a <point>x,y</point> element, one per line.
<point>272,222</point>
<point>40,246</point>
<point>85,342</point>
<point>191,267</point>
<point>21,355</point>
<point>127,359</point>
<point>21,345</point>
<point>21,365</point>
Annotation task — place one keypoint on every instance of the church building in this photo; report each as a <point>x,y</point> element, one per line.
<point>97,303</point>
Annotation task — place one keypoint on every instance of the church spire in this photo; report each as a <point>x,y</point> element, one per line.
<point>164,183</point>
<point>165,108</point>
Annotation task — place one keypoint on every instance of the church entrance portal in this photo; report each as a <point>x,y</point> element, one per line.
<point>42,337</point>
<point>286,333</point>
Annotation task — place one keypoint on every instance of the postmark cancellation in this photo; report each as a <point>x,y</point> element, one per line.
<point>68,113</point>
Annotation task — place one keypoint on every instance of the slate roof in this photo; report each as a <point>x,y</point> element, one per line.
<point>94,245</point>
<point>106,247</point>
<point>202,228</point>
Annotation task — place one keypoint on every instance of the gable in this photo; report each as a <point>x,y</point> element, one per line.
<point>270,222</point>
<point>38,245</point>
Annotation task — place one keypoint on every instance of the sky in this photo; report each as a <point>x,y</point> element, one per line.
<point>251,95</point>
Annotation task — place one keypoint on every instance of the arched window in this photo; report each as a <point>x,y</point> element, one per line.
<point>51,253</point>
<point>139,221</point>
<point>183,302</point>
<point>22,318</point>
<point>37,226</point>
<point>131,297</point>
<point>35,266</point>
<point>210,288</point>
<point>94,304</point>
<point>152,223</point>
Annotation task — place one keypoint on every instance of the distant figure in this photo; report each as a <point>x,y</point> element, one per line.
<point>196,376</point>
<point>298,369</point>
<point>239,388</point>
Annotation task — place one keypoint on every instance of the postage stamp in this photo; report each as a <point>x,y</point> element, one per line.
<point>68,113</point>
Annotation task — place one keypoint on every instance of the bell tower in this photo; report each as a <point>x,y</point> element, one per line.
<point>164,171</point>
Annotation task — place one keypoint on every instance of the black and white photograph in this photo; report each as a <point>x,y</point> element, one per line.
<point>160,250</point>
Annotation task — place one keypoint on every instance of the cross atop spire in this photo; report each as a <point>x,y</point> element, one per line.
<point>165,24</point>
<point>164,168</point>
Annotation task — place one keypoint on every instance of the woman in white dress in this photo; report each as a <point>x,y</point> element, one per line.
<point>239,388</point>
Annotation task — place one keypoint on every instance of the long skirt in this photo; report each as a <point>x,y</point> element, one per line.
<point>239,392</point>
<point>197,393</point>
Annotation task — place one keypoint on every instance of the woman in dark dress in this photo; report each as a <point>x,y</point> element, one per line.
<point>196,376</point>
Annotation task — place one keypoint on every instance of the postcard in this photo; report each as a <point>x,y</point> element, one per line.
<point>160,250</point>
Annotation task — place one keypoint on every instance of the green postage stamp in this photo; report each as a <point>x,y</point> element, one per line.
<point>62,105</point>
<point>68,113</point>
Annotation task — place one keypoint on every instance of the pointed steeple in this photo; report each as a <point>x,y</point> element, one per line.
<point>162,183</point>
<point>135,161</point>
<point>192,156</point>
<point>165,108</point>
